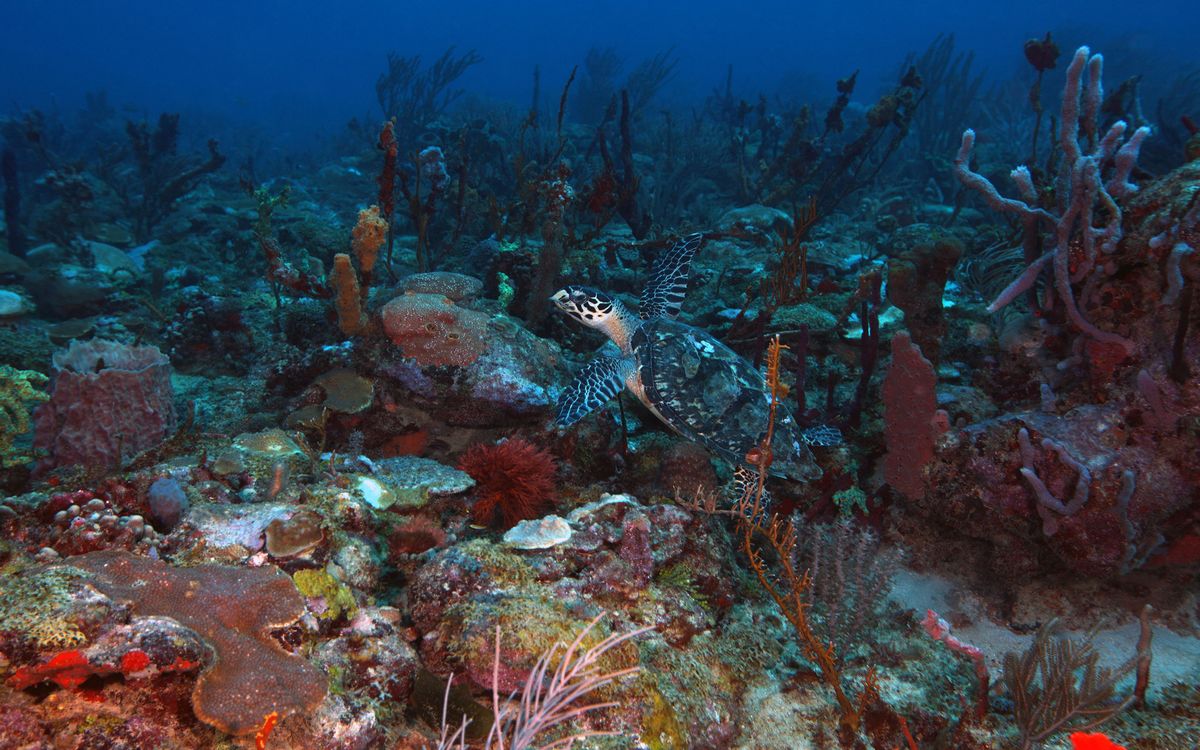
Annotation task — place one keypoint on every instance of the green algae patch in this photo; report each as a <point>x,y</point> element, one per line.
<point>661,729</point>
<point>36,604</point>
<point>506,568</point>
<point>318,584</point>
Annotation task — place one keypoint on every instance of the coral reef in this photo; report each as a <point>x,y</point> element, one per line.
<point>297,477</point>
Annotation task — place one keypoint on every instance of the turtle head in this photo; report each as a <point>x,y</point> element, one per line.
<point>589,306</point>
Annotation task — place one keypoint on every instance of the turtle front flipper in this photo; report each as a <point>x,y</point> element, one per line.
<point>596,384</point>
<point>664,294</point>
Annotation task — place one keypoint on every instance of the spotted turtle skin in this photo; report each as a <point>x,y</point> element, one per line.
<point>706,392</point>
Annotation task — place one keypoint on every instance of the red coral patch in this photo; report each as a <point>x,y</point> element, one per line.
<point>134,661</point>
<point>514,481</point>
<point>68,669</point>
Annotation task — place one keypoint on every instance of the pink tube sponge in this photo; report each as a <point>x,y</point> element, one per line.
<point>109,402</point>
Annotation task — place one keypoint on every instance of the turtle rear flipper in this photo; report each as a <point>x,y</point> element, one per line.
<point>822,435</point>
<point>742,490</point>
<point>596,384</point>
<point>668,283</point>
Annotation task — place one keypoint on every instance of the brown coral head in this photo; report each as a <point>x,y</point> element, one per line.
<point>416,535</point>
<point>294,536</point>
<point>1042,54</point>
<point>234,609</point>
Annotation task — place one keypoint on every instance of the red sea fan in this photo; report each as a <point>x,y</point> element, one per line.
<point>514,481</point>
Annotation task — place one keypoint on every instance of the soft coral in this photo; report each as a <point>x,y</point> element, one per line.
<point>514,481</point>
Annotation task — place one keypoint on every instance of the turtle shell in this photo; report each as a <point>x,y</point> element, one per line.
<point>706,392</point>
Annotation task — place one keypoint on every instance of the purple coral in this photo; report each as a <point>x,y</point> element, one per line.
<point>1047,502</point>
<point>1081,190</point>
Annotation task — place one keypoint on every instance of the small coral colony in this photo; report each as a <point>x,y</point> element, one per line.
<point>860,420</point>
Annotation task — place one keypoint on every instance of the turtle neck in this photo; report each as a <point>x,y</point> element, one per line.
<point>620,326</point>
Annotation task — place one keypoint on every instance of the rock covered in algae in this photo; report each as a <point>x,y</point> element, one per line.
<point>409,481</point>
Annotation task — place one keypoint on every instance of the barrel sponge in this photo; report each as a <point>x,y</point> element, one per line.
<point>234,609</point>
<point>109,401</point>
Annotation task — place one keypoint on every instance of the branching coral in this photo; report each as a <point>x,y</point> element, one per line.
<point>1046,500</point>
<point>550,699</point>
<point>1084,197</point>
<point>1057,685</point>
<point>281,274</point>
<point>851,575</point>
<point>14,231</point>
<point>161,176</point>
<point>514,481</point>
<point>414,95</point>
<point>762,534</point>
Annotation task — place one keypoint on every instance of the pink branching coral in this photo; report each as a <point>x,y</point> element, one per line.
<point>939,630</point>
<point>550,698</point>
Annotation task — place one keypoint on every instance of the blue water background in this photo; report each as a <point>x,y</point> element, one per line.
<point>301,69</point>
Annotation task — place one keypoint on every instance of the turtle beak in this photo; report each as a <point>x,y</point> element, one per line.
<point>560,298</point>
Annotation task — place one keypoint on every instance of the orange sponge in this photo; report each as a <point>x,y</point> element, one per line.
<point>367,237</point>
<point>347,298</point>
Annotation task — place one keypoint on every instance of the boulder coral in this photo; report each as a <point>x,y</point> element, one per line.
<point>234,609</point>
<point>432,330</point>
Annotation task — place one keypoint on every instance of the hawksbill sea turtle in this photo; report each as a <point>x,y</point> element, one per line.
<point>690,380</point>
